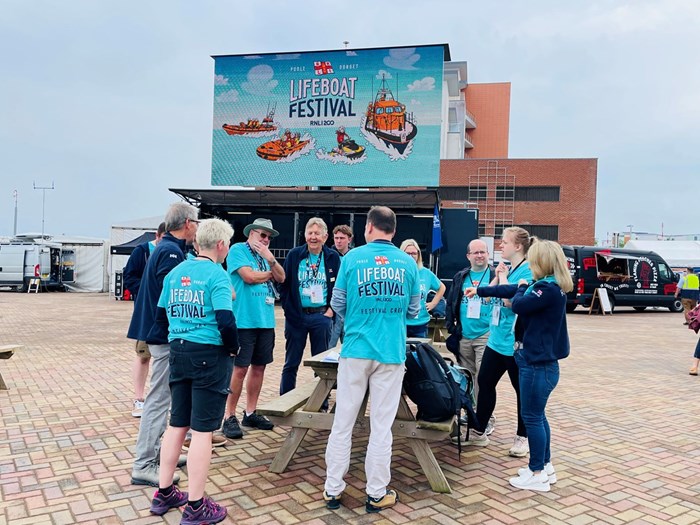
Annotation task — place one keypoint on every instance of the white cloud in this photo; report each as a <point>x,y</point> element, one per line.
<point>402,58</point>
<point>415,102</point>
<point>424,84</point>
<point>383,73</point>
<point>260,81</point>
<point>228,96</point>
<point>220,80</point>
<point>350,54</point>
<point>288,56</point>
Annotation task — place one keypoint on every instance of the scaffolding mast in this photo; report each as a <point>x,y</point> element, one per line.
<point>493,189</point>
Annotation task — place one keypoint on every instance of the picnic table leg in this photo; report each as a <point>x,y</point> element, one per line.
<point>296,435</point>
<point>287,450</point>
<point>424,455</point>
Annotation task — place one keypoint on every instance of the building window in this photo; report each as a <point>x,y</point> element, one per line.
<point>454,194</point>
<point>505,193</point>
<point>537,193</point>
<point>482,230</point>
<point>542,231</point>
<point>477,193</point>
<point>498,230</point>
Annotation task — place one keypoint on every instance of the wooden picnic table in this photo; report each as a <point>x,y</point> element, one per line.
<point>300,409</point>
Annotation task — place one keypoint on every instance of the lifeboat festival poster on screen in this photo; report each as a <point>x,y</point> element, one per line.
<point>357,118</point>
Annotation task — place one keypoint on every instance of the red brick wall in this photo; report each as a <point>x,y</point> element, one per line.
<point>575,211</point>
<point>490,105</point>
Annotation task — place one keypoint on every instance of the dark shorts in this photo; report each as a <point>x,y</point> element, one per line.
<point>257,345</point>
<point>199,380</point>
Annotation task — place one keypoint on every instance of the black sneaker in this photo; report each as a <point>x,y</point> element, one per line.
<point>231,428</point>
<point>256,421</point>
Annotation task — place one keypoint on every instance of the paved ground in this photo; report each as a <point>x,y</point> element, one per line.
<point>625,434</point>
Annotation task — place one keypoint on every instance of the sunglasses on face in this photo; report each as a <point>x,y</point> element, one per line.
<point>264,235</point>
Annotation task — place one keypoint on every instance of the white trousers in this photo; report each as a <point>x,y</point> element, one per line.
<point>384,382</point>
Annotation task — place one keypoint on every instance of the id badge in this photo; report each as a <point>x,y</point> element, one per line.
<point>474,308</point>
<point>316,293</point>
<point>496,314</point>
<point>515,320</point>
<point>269,300</point>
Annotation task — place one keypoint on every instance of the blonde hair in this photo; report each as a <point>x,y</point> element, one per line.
<point>211,231</point>
<point>411,242</point>
<point>547,258</point>
<point>520,236</point>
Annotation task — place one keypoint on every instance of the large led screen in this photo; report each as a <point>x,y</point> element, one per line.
<point>358,118</point>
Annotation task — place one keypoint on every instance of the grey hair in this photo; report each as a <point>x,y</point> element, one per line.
<point>178,214</point>
<point>211,231</point>
<point>318,221</point>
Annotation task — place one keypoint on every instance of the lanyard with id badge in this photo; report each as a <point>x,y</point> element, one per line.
<point>315,291</point>
<point>496,312</point>
<point>474,303</point>
<point>273,294</point>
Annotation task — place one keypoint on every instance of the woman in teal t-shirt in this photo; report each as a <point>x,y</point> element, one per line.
<point>498,355</point>
<point>418,327</point>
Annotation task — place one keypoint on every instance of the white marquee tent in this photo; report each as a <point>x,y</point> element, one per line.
<point>678,254</point>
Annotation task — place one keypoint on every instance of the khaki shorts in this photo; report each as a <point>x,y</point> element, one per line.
<point>142,350</point>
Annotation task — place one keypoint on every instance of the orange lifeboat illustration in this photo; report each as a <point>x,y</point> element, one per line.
<point>388,120</point>
<point>253,126</point>
<point>282,147</point>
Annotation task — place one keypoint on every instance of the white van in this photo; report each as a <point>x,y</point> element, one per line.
<point>21,261</point>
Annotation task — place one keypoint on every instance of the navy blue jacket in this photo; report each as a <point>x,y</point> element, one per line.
<point>135,266</point>
<point>289,289</point>
<point>453,319</point>
<point>541,324</point>
<point>168,254</point>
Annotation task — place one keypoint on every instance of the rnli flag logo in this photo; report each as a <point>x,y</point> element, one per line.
<point>323,68</point>
<point>185,281</point>
<point>381,259</point>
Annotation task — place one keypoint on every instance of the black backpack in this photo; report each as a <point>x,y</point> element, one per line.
<point>429,384</point>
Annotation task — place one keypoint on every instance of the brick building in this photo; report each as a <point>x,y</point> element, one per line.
<point>551,198</point>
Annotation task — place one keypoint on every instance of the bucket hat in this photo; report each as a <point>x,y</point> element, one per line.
<point>261,224</point>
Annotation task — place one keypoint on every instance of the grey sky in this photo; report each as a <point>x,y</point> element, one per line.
<point>113,100</point>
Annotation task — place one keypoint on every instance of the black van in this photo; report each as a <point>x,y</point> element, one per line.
<point>632,277</point>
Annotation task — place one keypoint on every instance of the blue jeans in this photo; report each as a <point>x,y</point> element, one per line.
<point>318,329</point>
<point>536,384</point>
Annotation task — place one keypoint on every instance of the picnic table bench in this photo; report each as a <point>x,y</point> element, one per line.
<point>6,352</point>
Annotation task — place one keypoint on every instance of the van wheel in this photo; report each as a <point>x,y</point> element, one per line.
<point>676,306</point>
<point>640,308</point>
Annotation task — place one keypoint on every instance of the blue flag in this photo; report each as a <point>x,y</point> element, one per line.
<point>437,230</point>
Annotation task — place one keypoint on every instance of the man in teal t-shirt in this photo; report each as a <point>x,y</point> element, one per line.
<point>376,291</point>
<point>253,271</point>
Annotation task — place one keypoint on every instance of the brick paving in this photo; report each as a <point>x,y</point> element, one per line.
<point>624,421</point>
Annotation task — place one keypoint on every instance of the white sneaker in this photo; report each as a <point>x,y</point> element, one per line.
<point>520,447</point>
<point>491,426</point>
<point>138,408</point>
<point>475,439</point>
<point>548,469</point>
<point>531,481</point>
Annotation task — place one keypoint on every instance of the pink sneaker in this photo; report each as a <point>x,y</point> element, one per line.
<point>162,504</point>
<point>209,512</point>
